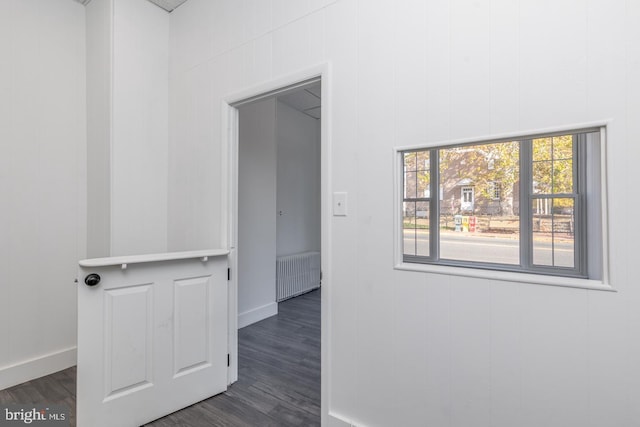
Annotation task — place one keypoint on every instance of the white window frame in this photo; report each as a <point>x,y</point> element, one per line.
<point>603,283</point>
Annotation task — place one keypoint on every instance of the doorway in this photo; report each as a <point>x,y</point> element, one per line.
<point>285,217</point>
<point>278,246</point>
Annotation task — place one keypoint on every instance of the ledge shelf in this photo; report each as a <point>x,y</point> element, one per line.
<point>124,261</point>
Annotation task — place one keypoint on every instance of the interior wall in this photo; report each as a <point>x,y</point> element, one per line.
<point>99,19</point>
<point>128,72</point>
<point>140,128</point>
<point>257,157</point>
<point>42,184</point>
<point>455,351</point>
<point>298,181</point>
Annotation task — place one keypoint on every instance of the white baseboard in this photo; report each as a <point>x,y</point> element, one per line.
<point>335,420</point>
<point>38,367</point>
<point>257,314</point>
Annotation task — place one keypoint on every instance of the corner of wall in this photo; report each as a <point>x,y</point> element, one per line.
<point>335,420</point>
<point>37,367</point>
<point>255,315</point>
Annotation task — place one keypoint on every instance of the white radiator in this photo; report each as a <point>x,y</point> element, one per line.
<point>297,274</point>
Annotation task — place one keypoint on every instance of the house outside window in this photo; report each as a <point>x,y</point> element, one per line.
<point>535,210</point>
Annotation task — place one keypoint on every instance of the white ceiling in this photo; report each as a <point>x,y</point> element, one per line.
<point>167,5</point>
<point>306,100</point>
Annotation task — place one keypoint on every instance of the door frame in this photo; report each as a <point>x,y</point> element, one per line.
<point>229,172</point>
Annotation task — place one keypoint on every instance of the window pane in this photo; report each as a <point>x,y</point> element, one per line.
<point>563,176</point>
<point>542,149</point>
<point>479,212</point>
<point>409,162</point>
<point>553,232</point>
<point>422,160</point>
<point>422,229</point>
<point>563,147</point>
<point>409,228</point>
<point>410,187</point>
<point>542,177</point>
<point>553,165</point>
<point>422,184</point>
<point>415,228</point>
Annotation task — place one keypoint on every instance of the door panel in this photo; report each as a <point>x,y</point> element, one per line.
<point>128,337</point>
<point>191,320</point>
<point>152,339</point>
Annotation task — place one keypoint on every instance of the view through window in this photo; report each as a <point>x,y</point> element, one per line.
<point>523,205</point>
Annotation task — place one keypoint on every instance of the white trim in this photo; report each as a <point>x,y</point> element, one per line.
<point>257,314</point>
<point>229,165</point>
<point>229,186</point>
<point>507,136</point>
<point>398,199</point>
<point>604,191</point>
<point>275,85</point>
<point>30,369</point>
<point>509,276</point>
<point>337,420</point>
<point>326,187</point>
<point>280,91</point>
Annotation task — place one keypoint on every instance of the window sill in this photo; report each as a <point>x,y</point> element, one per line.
<point>507,276</point>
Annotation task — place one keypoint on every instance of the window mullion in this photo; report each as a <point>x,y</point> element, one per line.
<point>434,205</point>
<point>526,186</point>
<point>579,204</point>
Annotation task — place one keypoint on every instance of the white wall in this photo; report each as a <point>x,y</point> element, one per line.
<point>298,181</point>
<point>42,184</point>
<point>257,158</point>
<point>140,128</point>
<point>128,127</point>
<point>99,19</point>
<point>409,348</point>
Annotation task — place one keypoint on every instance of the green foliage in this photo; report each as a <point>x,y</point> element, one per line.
<point>482,165</point>
<point>553,165</point>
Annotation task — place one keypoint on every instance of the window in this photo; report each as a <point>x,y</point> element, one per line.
<point>493,191</point>
<point>530,204</point>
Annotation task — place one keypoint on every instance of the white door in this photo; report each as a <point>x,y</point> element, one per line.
<point>152,339</point>
<point>467,199</point>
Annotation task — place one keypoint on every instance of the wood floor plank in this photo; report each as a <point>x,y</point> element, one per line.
<point>5,397</point>
<point>278,384</point>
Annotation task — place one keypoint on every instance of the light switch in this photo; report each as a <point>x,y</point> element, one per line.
<point>340,204</point>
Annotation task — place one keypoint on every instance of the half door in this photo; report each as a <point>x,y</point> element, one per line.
<point>152,339</point>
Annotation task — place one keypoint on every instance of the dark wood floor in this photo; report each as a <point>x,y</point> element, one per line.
<point>278,370</point>
<point>55,389</point>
